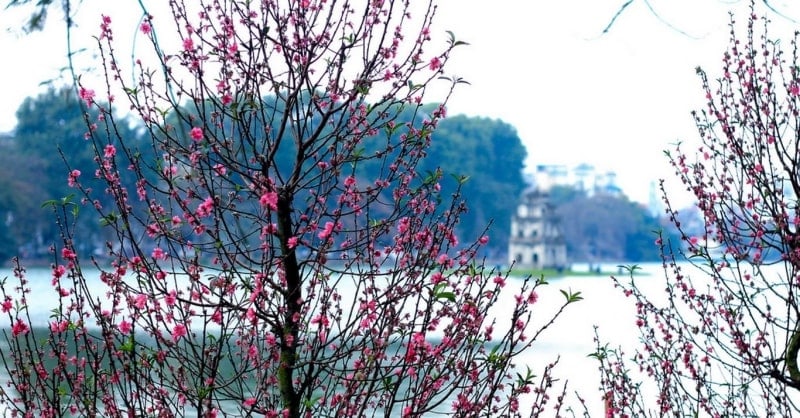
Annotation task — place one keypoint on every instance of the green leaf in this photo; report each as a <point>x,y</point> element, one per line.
<point>447,296</point>
<point>431,178</point>
<point>64,201</point>
<point>459,178</point>
<point>631,269</point>
<point>309,403</point>
<point>572,296</point>
<point>203,392</point>
<point>109,219</point>
<point>128,346</point>
<point>439,293</point>
<point>527,378</point>
<point>452,39</point>
<point>601,353</point>
<point>439,287</point>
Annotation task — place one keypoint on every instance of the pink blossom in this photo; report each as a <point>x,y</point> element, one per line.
<point>105,27</point>
<point>159,254</point>
<point>141,301</point>
<point>251,315</point>
<point>270,200</point>
<point>171,298</point>
<point>483,240</point>
<point>145,28</point>
<point>326,232</point>
<point>233,49</point>
<point>72,180</point>
<point>205,208</point>
<point>435,64</point>
<point>197,134</point>
<point>68,254</point>
<point>292,242</point>
<point>19,327</point>
<point>216,317</point>
<point>320,320</point>
<point>499,281</point>
<point>87,95</point>
<point>153,230</point>
<point>59,326</point>
<point>7,305</point>
<point>532,297</point>
<point>178,332</point>
<point>249,402</point>
<point>188,44</point>
<point>124,327</point>
<point>58,272</point>
<point>109,151</point>
<point>220,169</point>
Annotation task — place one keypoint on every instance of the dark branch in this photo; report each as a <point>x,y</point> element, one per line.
<point>767,3</point>
<point>774,10</point>
<point>616,15</point>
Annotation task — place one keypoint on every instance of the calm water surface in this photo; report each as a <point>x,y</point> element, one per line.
<point>570,338</point>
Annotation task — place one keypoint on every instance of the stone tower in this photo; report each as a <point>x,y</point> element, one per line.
<point>536,239</point>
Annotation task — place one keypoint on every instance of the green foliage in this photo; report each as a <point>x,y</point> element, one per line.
<point>488,157</point>
<point>50,128</point>
<point>607,227</point>
<point>40,9</point>
<point>571,297</point>
<point>482,156</point>
<point>7,247</point>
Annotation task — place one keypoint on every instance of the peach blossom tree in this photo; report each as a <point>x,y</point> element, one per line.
<point>280,256</point>
<point>723,339</point>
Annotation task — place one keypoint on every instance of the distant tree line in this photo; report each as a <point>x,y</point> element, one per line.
<point>33,173</point>
<point>484,156</point>
<point>606,226</point>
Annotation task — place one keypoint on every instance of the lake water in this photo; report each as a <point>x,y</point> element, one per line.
<point>571,337</point>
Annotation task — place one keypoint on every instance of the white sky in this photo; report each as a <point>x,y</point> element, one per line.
<point>615,101</point>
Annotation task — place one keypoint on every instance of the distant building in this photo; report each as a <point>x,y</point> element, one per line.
<point>536,239</point>
<point>583,177</point>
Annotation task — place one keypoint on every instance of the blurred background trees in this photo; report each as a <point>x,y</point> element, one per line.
<point>488,152</point>
<point>32,167</point>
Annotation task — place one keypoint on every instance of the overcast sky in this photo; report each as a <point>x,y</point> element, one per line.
<point>575,95</point>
